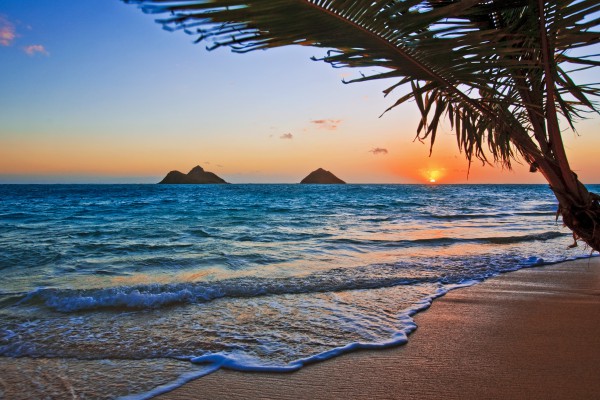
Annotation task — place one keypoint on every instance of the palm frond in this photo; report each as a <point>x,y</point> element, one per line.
<point>476,63</point>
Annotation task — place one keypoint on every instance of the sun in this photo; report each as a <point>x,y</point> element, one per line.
<point>432,175</point>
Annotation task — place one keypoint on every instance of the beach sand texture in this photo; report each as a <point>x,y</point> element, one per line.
<point>529,334</point>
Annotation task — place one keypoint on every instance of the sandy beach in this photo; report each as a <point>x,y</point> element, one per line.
<point>529,334</point>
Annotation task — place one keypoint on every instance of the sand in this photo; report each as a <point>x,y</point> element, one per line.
<point>530,334</point>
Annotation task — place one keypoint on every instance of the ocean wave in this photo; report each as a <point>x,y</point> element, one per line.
<point>526,238</point>
<point>536,213</point>
<point>19,215</point>
<point>467,216</point>
<point>123,247</point>
<point>160,295</point>
<point>544,236</point>
<point>153,296</point>
<point>199,232</point>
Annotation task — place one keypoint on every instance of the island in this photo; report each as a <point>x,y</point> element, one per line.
<point>195,177</point>
<point>321,176</point>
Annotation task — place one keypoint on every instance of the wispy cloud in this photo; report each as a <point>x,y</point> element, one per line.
<point>378,150</point>
<point>34,49</point>
<point>328,124</point>
<point>286,136</point>
<point>7,32</point>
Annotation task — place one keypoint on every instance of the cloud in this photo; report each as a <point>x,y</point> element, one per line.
<point>328,124</point>
<point>286,136</point>
<point>7,32</point>
<point>35,48</point>
<point>378,150</point>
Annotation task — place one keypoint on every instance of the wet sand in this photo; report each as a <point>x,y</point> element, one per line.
<point>530,334</point>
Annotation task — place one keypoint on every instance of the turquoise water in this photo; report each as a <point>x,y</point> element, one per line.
<point>173,282</point>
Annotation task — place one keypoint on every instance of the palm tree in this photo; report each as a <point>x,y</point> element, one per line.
<point>501,71</point>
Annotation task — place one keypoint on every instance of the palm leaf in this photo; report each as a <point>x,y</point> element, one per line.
<point>478,61</point>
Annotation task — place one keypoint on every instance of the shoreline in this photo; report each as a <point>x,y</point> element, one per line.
<point>531,333</point>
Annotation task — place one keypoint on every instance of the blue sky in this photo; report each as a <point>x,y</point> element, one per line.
<point>96,91</point>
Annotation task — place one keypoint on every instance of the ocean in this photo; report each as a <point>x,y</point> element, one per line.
<point>111,291</point>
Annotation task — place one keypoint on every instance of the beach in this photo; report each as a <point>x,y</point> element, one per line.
<point>529,334</point>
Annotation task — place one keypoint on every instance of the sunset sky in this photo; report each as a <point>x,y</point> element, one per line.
<point>95,91</point>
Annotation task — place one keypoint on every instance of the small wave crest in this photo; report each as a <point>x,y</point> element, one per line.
<point>544,236</point>
<point>121,297</point>
<point>493,215</point>
<point>160,295</point>
<point>467,216</point>
<point>526,238</point>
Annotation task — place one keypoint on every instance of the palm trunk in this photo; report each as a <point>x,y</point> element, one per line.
<point>579,208</point>
<point>580,212</point>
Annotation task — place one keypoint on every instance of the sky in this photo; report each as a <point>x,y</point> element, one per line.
<point>96,92</point>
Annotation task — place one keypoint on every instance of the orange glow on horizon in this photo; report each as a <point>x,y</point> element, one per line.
<point>265,159</point>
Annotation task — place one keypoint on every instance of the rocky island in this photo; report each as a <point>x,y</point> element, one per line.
<point>196,176</point>
<point>321,176</point>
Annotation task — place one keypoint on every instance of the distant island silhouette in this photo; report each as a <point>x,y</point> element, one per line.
<point>196,176</point>
<point>321,176</point>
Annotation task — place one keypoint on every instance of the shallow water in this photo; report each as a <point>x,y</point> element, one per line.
<point>245,276</point>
